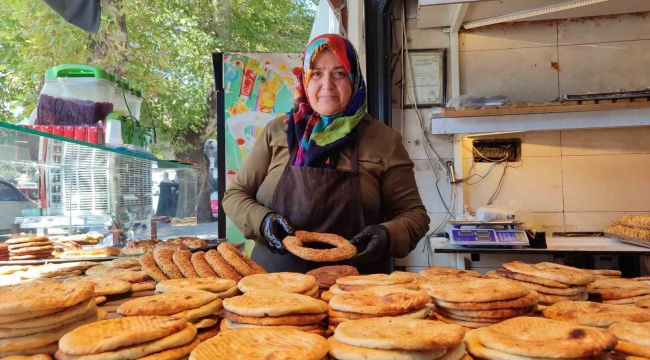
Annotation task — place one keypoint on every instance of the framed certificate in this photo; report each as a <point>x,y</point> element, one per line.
<point>429,68</point>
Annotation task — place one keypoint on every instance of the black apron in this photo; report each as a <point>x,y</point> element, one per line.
<point>325,201</point>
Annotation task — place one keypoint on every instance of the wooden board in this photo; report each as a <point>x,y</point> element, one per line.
<point>545,108</point>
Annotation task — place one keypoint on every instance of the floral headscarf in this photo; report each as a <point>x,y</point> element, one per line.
<point>319,137</point>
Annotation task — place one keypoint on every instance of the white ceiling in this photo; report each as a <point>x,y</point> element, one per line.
<point>440,15</point>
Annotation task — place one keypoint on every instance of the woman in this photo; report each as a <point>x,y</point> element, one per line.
<point>328,167</point>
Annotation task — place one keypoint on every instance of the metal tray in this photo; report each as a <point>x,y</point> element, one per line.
<point>628,240</point>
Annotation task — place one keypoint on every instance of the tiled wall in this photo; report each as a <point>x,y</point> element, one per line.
<point>568,180</point>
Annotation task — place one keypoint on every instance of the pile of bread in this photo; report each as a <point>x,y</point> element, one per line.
<point>630,227</point>
<point>226,262</point>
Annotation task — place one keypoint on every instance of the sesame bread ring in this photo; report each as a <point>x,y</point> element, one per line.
<point>183,261</point>
<point>221,266</point>
<point>235,259</point>
<point>164,260</point>
<point>201,265</point>
<point>342,250</point>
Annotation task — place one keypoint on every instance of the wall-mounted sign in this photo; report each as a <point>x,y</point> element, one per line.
<point>426,86</point>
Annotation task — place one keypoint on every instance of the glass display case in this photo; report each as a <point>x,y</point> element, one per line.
<point>59,186</point>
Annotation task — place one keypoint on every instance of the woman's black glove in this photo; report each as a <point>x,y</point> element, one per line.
<point>275,228</point>
<point>372,244</point>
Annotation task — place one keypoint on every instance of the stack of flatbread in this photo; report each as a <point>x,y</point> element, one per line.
<point>537,338</point>
<point>262,343</point>
<point>378,301</point>
<point>553,282</point>
<point>139,337</point>
<point>434,272</point>
<point>618,291</point>
<point>594,314</point>
<point>227,263</point>
<point>196,306</point>
<point>274,309</point>
<point>286,281</point>
<point>223,288</point>
<point>4,252</point>
<point>30,248</point>
<point>139,280</point>
<point>348,284</point>
<point>478,302</point>
<point>397,338</point>
<point>605,273</point>
<point>34,316</point>
<point>633,339</point>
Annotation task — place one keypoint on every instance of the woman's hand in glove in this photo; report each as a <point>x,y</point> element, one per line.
<point>275,228</point>
<point>372,244</point>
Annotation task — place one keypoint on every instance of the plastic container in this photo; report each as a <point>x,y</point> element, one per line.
<point>134,100</point>
<point>113,129</point>
<point>122,94</point>
<point>75,94</point>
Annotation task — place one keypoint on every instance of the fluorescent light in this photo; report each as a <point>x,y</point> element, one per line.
<point>530,13</point>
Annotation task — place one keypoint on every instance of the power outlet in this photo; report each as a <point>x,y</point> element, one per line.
<point>491,150</point>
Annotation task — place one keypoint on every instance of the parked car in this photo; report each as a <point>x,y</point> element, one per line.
<point>31,185</point>
<point>12,203</point>
<point>31,193</point>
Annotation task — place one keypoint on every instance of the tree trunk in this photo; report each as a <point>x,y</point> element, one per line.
<point>195,194</point>
<point>109,47</point>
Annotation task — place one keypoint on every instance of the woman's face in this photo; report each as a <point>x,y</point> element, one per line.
<point>329,89</point>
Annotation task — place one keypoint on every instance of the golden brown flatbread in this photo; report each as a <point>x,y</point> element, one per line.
<point>547,270</point>
<point>530,299</point>
<point>380,300</point>
<point>265,303</point>
<point>594,314</point>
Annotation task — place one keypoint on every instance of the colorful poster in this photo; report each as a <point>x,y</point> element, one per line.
<point>258,88</point>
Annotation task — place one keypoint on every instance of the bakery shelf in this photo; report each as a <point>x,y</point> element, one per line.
<point>543,116</point>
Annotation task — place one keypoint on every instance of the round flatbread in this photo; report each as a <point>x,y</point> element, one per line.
<point>547,270</point>
<point>643,304</point>
<point>30,239</point>
<point>633,332</point>
<point>572,290</point>
<point>166,303</point>
<point>276,320</point>
<point>5,319</point>
<point>594,314</point>
<point>311,292</point>
<point>233,291</point>
<point>341,351</point>
<point>286,281</point>
<point>326,276</point>
<point>415,314</point>
<point>626,301</point>
<point>181,352</point>
<point>613,273</point>
<point>376,279</point>
<point>380,300</point>
<point>435,271</point>
<point>205,323</point>
<point>104,284</point>
<point>477,290</point>
<point>468,318</point>
<point>269,343</point>
<point>214,284</point>
<point>143,286</point>
<point>183,261</point>
<point>326,295</point>
<point>464,323</point>
<point>539,337</point>
<point>137,351</point>
<point>628,348</point>
<point>85,307</point>
<point>265,303</point>
<point>235,326</point>
<point>398,333</point>
<point>490,314</point>
<point>106,335</point>
<point>531,299</point>
<point>125,263</point>
<point>201,265</point>
<point>221,266</point>
<point>614,289</point>
<point>200,312</point>
<point>475,348</point>
<point>546,299</point>
<point>37,296</point>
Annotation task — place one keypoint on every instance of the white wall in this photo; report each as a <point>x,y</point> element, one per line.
<point>569,180</point>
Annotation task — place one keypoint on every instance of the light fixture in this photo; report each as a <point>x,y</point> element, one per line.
<point>530,13</point>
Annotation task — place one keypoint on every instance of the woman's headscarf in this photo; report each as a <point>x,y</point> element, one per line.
<point>320,138</point>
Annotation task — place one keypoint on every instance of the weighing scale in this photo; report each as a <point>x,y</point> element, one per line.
<point>479,233</point>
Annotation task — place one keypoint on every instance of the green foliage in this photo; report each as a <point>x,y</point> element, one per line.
<point>168,53</point>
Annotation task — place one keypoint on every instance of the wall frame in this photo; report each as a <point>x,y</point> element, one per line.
<point>429,68</point>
